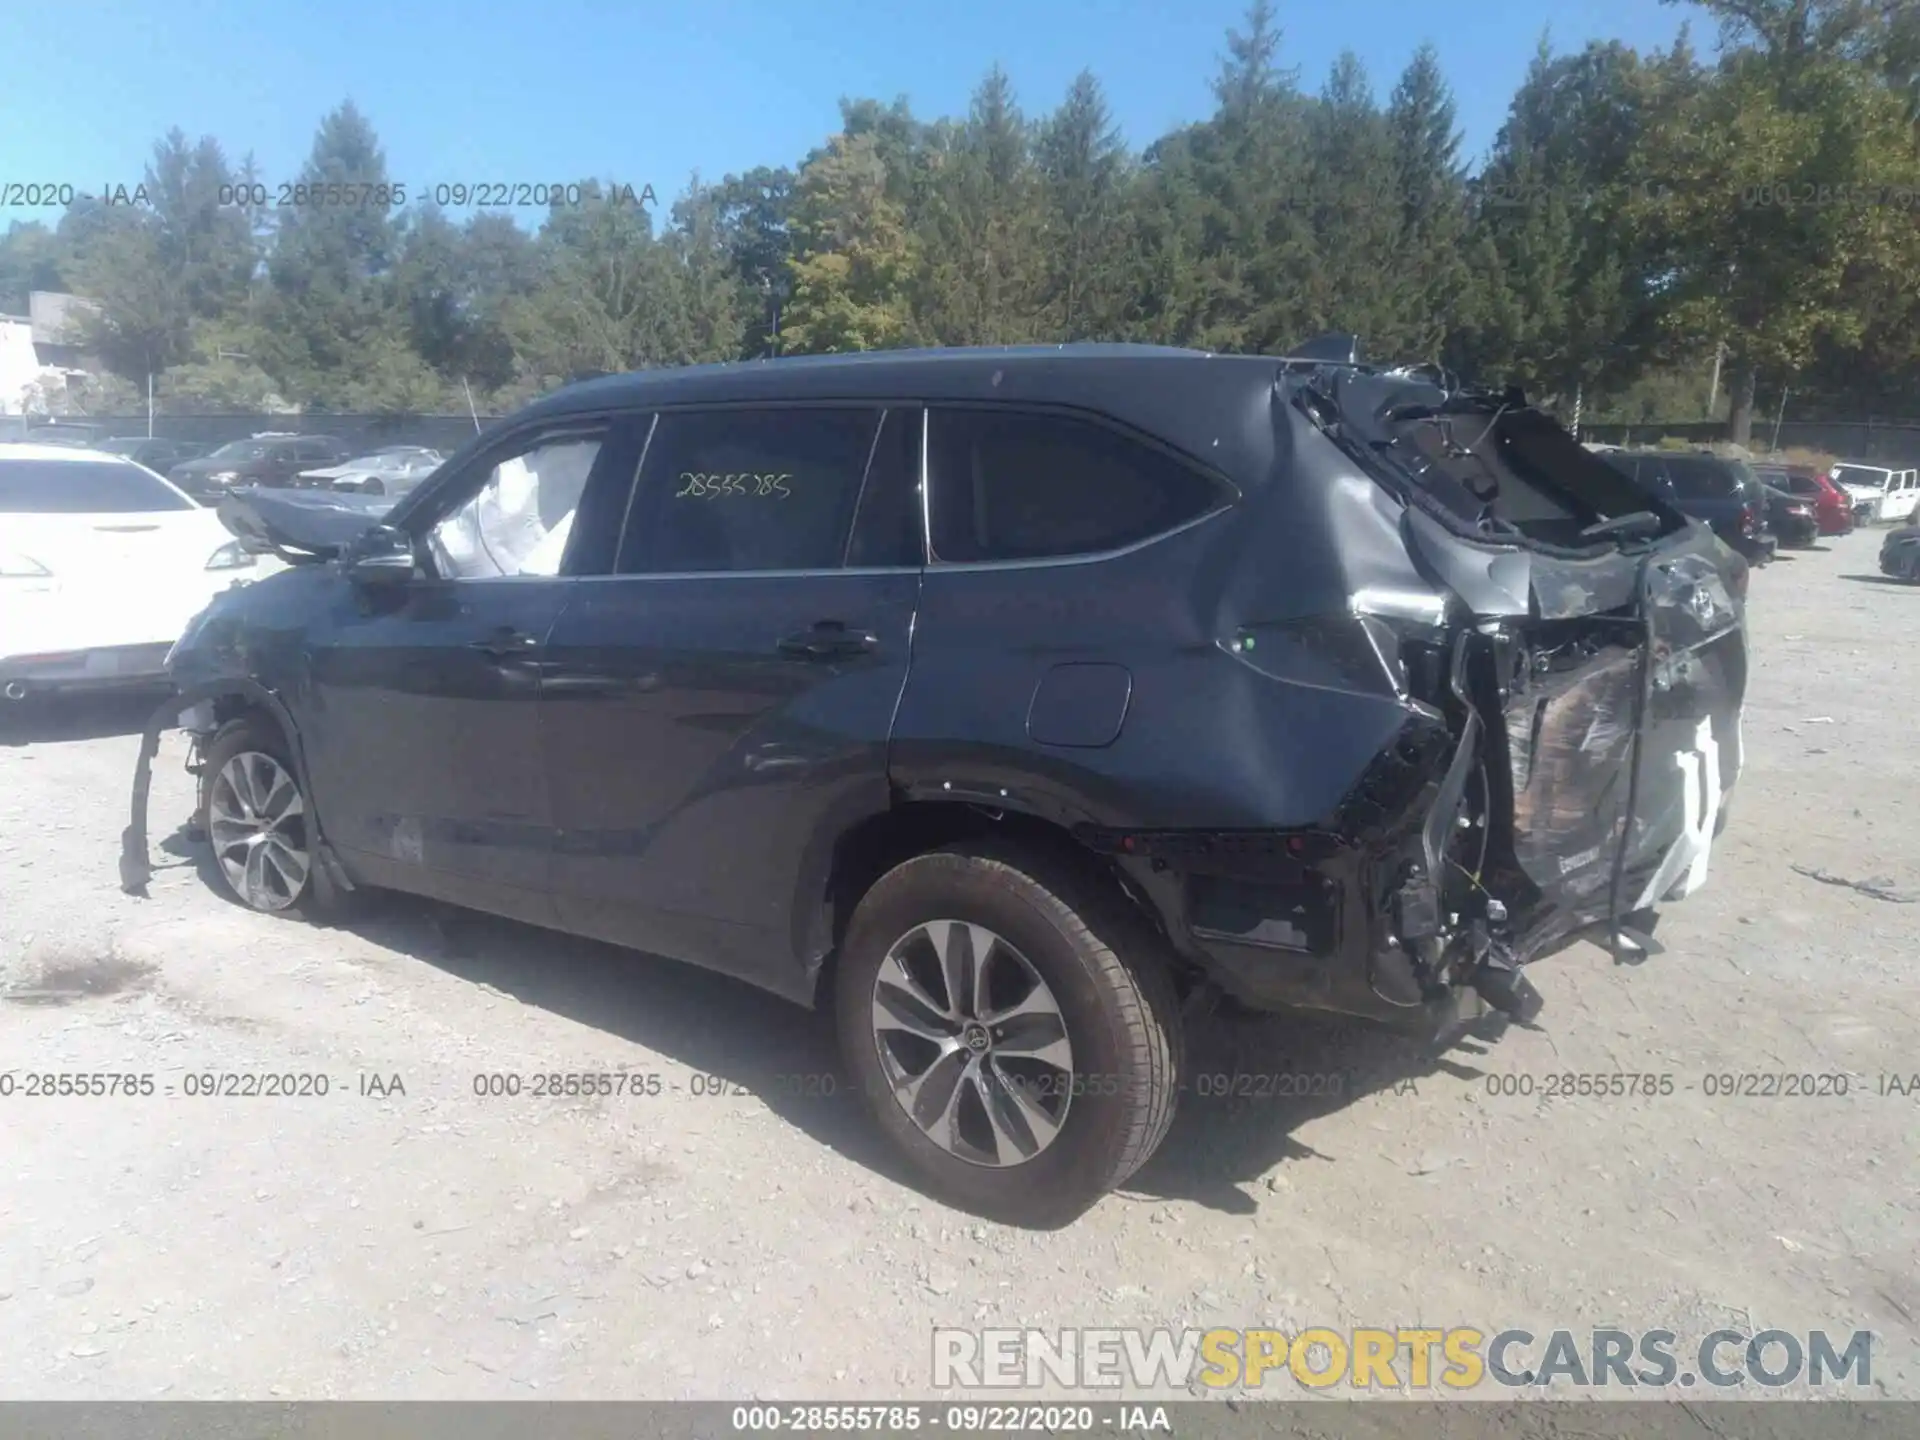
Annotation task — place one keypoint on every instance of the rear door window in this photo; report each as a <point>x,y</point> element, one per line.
<point>1014,485</point>
<point>764,489</point>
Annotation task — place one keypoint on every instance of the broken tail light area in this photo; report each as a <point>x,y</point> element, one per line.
<point>1377,910</point>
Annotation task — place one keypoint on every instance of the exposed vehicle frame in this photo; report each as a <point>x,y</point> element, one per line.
<point>1428,691</point>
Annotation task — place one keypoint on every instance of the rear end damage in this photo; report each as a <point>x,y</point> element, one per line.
<point>1568,673</point>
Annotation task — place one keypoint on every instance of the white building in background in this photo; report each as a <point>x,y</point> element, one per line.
<point>42,353</point>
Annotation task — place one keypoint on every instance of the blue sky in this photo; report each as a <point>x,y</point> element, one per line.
<point>530,90</point>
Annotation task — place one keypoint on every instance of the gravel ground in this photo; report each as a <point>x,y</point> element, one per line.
<point>739,1232</point>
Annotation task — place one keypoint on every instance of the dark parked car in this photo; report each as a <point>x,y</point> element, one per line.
<point>1003,702</point>
<point>274,460</point>
<point>1900,553</point>
<point>153,452</point>
<point>1832,506</point>
<point>1723,492</point>
<point>1790,518</point>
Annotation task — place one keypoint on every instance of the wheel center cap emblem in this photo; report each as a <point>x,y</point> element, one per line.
<point>975,1038</point>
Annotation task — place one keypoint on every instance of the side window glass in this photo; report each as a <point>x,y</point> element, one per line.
<point>519,521</point>
<point>888,526</point>
<point>771,489</point>
<point>1014,486</point>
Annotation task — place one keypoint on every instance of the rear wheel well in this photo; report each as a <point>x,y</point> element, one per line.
<point>873,847</point>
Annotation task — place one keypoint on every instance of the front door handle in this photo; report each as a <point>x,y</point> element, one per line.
<point>504,644</point>
<point>828,640</point>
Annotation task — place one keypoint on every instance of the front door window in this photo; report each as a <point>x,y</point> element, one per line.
<point>519,521</point>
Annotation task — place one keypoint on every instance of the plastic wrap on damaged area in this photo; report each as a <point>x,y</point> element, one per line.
<point>1570,747</point>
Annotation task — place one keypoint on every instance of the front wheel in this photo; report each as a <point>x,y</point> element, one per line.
<point>259,824</point>
<point>373,487</point>
<point>1014,1027</point>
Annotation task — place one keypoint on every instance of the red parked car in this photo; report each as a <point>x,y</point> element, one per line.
<point>1832,507</point>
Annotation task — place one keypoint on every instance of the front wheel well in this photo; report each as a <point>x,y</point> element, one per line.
<point>876,845</point>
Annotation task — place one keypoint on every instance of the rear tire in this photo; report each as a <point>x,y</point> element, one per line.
<point>1058,1077</point>
<point>258,820</point>
<point>373,487</point>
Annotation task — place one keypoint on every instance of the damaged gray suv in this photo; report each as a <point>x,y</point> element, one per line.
<point>1002,701</point>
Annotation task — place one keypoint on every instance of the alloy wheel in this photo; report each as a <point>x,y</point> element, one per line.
<point>973,1043</point>
<point>257,822</point>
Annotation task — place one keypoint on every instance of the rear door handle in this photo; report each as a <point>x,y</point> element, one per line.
<point>828,640</point>
<point>504,644</point>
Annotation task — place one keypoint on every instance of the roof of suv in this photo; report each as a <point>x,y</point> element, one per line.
<point>1202,403</point>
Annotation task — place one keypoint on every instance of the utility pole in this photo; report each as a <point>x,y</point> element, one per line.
<point>1578,391</point>
<point>1780,418</point>
<point>1713,394</point>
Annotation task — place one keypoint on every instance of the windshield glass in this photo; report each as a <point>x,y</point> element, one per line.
<point>83,487</point>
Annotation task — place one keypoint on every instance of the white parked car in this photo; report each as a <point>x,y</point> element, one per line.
<point>1878,492</point>
<point>102,563</point>
<point>393,471</point>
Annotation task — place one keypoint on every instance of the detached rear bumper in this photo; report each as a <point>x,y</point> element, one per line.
<point>102,667</point>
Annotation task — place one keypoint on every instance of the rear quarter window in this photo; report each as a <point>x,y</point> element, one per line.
<point>1012,485</point>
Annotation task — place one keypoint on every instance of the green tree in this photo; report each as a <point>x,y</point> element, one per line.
<point>750,214</point>
<point>1766,196</point>
<point>1430,190</point>
<point>205,239</point>
<point>140,325</point>
<point>1086,237</point>
<point>1356,281</point>
<point>326,313</point>
<point>1256,253</point>
<point>714,307</point>
<point>31,258</point>
<point>853,257</point>
<point>984,277</point>
<point>603,299</point>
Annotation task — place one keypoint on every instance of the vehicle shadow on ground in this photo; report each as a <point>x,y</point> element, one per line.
<point>1252,1080</point>
<point>52,720</point>
<point>736,1039</point>
<point>1889,580</point>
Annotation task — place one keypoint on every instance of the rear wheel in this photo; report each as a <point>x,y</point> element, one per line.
<point>373,487</point>
<point>1014,1028</point>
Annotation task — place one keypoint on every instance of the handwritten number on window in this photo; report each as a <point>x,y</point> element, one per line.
<point>752,485</point>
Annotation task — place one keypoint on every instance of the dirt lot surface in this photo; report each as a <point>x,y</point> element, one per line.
<point>739,1232</point>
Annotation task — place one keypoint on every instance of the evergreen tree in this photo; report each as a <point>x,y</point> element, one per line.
<point>1357,281</point>
<point>325,313</point>
<point>1430,190</point>
<point>984,276</point>
<point>1085,231</point>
